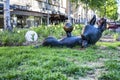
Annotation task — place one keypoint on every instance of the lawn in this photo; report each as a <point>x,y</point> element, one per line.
<point>18,62</point>
<point>99,62</point>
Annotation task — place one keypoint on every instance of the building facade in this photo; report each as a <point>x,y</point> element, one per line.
<point>27,13</point>
<point>81,14</point>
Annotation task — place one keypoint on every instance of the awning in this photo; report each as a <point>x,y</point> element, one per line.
<point>58,17</point>
<point>27,13</point>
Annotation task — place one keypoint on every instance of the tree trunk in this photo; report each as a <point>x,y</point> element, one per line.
<point>48,15</point>
<point>7,24</point>
<point>69,11</point>
<point>86,13</point>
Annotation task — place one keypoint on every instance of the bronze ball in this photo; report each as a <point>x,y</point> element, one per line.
<point>68,27</point>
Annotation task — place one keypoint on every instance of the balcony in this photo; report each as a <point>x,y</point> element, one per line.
<point>19,7</point>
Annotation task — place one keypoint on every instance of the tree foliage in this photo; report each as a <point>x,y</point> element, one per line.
<point>111,9</point>
<point>104,8</point>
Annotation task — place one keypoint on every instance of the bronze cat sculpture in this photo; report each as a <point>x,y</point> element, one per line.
<point>89,36</point>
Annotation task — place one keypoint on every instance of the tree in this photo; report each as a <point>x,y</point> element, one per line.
<point>105,8</point>
<point>69,11</point>
<point>7,24</point>
<point>48,22</point>
<point>111,9</point>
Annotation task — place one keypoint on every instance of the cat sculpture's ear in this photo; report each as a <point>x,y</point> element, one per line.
<point>93,20</point>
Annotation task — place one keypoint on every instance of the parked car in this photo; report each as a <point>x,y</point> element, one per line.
<point>113,25</point>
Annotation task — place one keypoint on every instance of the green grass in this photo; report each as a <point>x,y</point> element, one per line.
<point>113,70</point>
<point>45,63</point>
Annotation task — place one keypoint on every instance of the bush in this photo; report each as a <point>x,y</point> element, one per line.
<point>15,38</point>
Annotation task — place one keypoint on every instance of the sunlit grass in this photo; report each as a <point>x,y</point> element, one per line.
<point>111,45</point>
<point>28,62</point>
